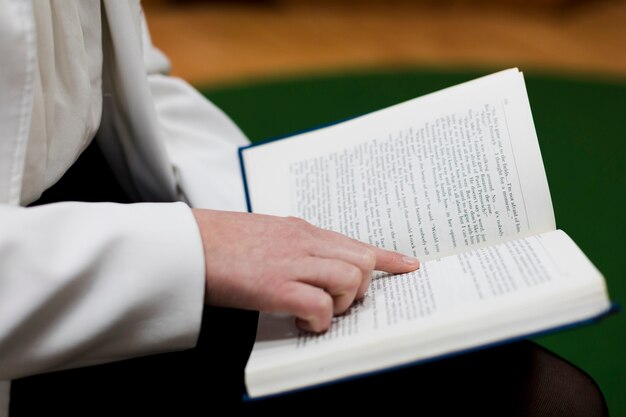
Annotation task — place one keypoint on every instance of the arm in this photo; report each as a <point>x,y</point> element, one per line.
<point>255,262</point>
<point>76,290</point>
<point>201,140</point>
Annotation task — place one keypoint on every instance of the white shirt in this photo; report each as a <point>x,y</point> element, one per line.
<point>84,283</point>
<point>67,101</point>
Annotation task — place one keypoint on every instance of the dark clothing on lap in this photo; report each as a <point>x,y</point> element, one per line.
<point>519,379</point>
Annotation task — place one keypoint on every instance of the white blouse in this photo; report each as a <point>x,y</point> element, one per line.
<point>88,283</point>
<point>67,97</point>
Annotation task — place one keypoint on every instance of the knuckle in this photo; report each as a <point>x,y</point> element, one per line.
<point>342,304</point>
<point>297,230</point>
<point>364,286</point>
<point>369,258</point>
<point>353,276</point>
<point>298,221</point>
<point>321,307</point>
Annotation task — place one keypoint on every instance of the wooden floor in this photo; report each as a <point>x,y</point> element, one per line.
<point>212,42</point>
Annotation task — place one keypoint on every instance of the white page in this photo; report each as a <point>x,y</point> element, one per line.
<point>455,302</point>
<point>430,177</point>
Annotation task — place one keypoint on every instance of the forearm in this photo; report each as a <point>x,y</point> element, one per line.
<point>85,283</point>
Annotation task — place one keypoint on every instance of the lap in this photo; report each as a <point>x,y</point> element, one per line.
<point>517,379</point>
<point>522,379</point>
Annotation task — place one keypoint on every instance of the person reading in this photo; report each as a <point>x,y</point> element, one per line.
<point>124,236</point>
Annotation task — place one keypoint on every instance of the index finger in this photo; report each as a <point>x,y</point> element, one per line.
<point>394,262</point>
<point>386,260</point>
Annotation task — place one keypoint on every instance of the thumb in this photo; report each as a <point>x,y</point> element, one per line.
<point>394,262</point>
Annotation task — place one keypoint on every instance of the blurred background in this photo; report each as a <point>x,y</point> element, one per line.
<point>280,66</point>
<point>213,41</point>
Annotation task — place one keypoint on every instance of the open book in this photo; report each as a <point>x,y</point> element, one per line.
<point>454,178</point>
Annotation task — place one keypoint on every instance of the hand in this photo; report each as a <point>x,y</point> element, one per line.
<point>284,264</point>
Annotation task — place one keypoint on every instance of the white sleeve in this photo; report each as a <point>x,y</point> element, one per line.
<point>201,140</point>
<point>89,283</point>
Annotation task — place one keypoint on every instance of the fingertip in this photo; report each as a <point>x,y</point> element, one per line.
<point>313,326</point>
<point>395,262</point>
<point>319,311</point>
<point>411,262</point>
<point>310,305</point>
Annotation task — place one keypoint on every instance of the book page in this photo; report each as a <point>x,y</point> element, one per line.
<point>474,297</point>
<point>434,176</point>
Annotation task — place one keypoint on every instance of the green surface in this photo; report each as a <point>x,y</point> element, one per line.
<point>581,125</point>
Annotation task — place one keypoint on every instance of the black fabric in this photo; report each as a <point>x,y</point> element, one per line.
<point>520,379</point>
<point>89,179</point>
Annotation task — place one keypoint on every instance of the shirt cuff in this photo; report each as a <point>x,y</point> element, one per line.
<point>169,284</point>
<point>90,283</point>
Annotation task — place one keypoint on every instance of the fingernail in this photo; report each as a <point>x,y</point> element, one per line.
<point>410,260</point>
